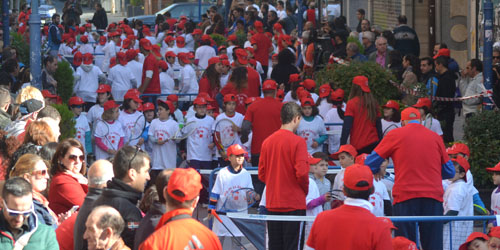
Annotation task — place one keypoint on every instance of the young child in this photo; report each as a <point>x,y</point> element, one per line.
<point>494,241</point>
<point>424,105</point>
<point>85,47</point>
<point>324,185</point>
<point>458,202</point>
<point>335,115</point>
<point>230,178</point>
<point>310,85</point>
<point>134,66</point>
<point>188,83</point>
<point>148,110</point>
<point>129,116</point>
<point>312,127</point>
<point>323,104</point>
<point>232,42</point>
<point>200,142</point>
<point>82,127</point>
<point>87,79</point>
<point>108,133</point>
<point>160,131</point>
<point>236,118</point>
<point>99,50</point>
<point>346,155</point>
<point>95,112</point>
<point>476,241</point>
<point>121,78</point>
<point>495,195</point>
<point>177,113</point>
<point>167,84</point>
<point>392,117</point>
<point>380,198</point>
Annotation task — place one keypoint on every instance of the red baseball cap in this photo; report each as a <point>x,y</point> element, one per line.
<point>110,104</point>
<point>84,39</point>
<point>472,237</point>
<point>324,90</point>
<point>146,32</point>
<point>362,81</point>
<point>180,40</point>
<point>169,104</point>
<point>48,94</point>
<point>313,161</point>
<point>181,25</point>
<point>148,106</point>
<point>347,148</point>
<point>173,98</point>
<point>122,58</point>
<point>131,54</point>
<point>213,60</point>
<point>337,95</point>
<point>360,159</point>
<point>236,149</point>
<point>391,104</point>
<point>205,38</point>
<point>269,85</point>
<point>88,58</point>
<point>225,62</point>
<point>75,100</point>
<point>259,26</point>
<point>250,49</point>
<point>210,107</point>
<point>170,54</point>
<point>423,102</point>
<point>102,40</point>
<point>242,56</point>
<point>294,78</point>
<point>190,55</point>
<point>132,94</point>
<point>183,57</point>
<point>309,84</point>
<point>280,95</point>
<point>169,39</point>
<point>410,114</point>
<point>495,232</point>
<point>459,148</point>
<point>442,52</point>
<point>463,163</point>
<point>163,65</point>
<point>302,93</point>
<point>103,88</point>
<point>253,62</point>
<point>357,173</point>
<point>185,180</point>
<point>145,44</point>
<point>251,100</point>
<point>197,32</point>
<point>304,102</point>
<point>77,58</point>
<point>126,43</point>
<point>200,101</point>
<point>277,26</point>
<point>156,50</point>
<point>496,168</point>
<point>402,243</point>
<point>229,98</point>
<point>232,38</point>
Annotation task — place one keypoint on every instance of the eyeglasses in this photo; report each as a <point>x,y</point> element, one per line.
<point>75,157</point>
<point>15,213</point>
<point>40,173</point>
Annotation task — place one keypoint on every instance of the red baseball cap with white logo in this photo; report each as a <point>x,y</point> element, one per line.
<point>347,148</point>
<point>355,174</point>
<point>236,149</point>
<point>324,90</point>
<point>148,106</point>
<point>75,100</point>
<point>110,104</point>
<point>423,102</point>
<point>229,98</point>
<point>103,88</point>
<point>269,85</point>
<point>362,81</point>
<point>391,104</point>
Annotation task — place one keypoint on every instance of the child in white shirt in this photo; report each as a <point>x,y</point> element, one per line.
<point>148,110</point>
<point>108,132</point>
<point>85,47</point>
<point>312,127</point>
<point>392,117</point>
<point>167,84</point>
<point>200,143</point>
<point>314,200</point>
<point>324,185</point>
<point>121,78</point>
<point>87,79</point>
<point>82,127</point>
<point>346,155</point>
<point>131,119</point>
<point>188,83</point>
<point>219,131</point>
<point>335,115</point>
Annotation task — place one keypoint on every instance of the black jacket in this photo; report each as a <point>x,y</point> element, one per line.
<point>446,88</point>
<point>124,199</point>
<point>81,218</point>
<point>100,19</point>
<point>148,223</point>
<point>406,41</point>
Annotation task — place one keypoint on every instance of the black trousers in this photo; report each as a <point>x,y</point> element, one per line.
<point>447,119</point>
<point>286,235</point>
<point>257,184</point>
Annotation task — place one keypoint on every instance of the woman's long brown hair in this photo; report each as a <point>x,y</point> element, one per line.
<point>239,78</point>
<point>213,77</point>
<point>368,102</point>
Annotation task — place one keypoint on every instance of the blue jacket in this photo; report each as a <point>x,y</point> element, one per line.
<point>54,37</point>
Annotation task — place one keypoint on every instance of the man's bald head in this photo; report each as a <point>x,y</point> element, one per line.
<point>100,173</point>
<point>103,227</point>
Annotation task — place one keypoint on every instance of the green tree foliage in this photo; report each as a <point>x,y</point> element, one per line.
<point>67,124</point>
<point>64,78</point>
<point>483,138</point>
<point>218,39</point>
<point>22,47</point>
<point>355,40</point>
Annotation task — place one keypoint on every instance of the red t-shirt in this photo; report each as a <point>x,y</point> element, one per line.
<point>349,228</point>
<point>363,131</point>
<point>264,114</point>
<point>418,154</point>
<point>253,82</point>
<point>150,63</point>
<point>252,90</point>
<point>204,86</point>
<point>262,51</point>
<point>284,169</point>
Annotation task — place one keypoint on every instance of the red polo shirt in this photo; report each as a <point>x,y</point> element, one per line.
<point>284,169</point>
<point>264,114</point>
<point>349,228</point>
<point>363,131</point>
<point>150,63</point>
<point>262,51</point>
<point>418,154</point>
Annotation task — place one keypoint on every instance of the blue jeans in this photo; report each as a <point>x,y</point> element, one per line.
<point>431,233</point>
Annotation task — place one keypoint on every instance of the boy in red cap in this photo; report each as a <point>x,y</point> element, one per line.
<point>110,49</point>
<point>87,79</point>
<point>167,84</point>
<point>341,227</point>
<point>458,202</point>
<point>99,49</point>
<point>188,82</point>
<point>335,115</point>
<point>121,78</point>
<point>230,178</point>
<point>324,94</point>
<point>312,127</point>
<point>495,195</point>
<point>346,155</point>
<point>220,131</point>
<point>95,112</point>
<point>314,199</point>
<point>176,229</point>
<point>475,241</point>
<point>134,66</point>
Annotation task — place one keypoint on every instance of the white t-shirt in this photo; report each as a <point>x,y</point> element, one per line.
<point>167,84</point>
<point>237,119</point>
<point>152,39</point>
<point>311,131</point>
<point>226,182</point>
<point>99,59</point>
<point>188,84</point>
<point>86,48</point>
<point>334,132</point>
<point>110,50</point>
<point>204,53</point>
<point>223,80</point>
<point>86,87</point>
<point>95,113</point>
<point>164,156</point>
<point>129,127</point>
<point>111,139</point>
<point>82,127</point>
<point>189,42</point>
<point>323,107</point>
<point>135,68</point>
<point>121,81</point>
<point>495,201</point>
<point>230,53</point>
<point>338,183</point>
<point>388,126</point>
<point>198,141</point>
<point>458,198</point>
<point>377,198</point>
<point>311,195</point>
<point>433,124</point>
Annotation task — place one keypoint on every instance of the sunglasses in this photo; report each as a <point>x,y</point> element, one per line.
<point>75,157</point>
<point>15,213</point>
<point>40,173</point>
<point>137,149</point>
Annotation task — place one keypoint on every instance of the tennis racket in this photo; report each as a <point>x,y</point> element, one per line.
<point>239,200</point>
<point>101,130</point>
<point>136,128</point>
<point>389,128</point>
<point>184,131</point>
<point>428,121</point>
<point>225,135</point>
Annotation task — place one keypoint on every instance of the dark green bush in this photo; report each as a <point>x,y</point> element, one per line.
<point>218,39</point>
<point>483,138</point>
<point>22,47</point>
<point>64,78</point>
<point>341,77</point>
<point>355,40</point>
<point>67,124</point>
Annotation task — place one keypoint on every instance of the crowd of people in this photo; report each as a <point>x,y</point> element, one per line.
<point>154,105</point>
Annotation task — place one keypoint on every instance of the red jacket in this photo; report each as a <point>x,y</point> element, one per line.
<point>64,233</point>
<point>349,228</point>
<point>283,167</point>
<point>65,192</point>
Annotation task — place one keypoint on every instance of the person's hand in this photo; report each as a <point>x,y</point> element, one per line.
<point>489,227</point>
<point>223,154</point>
<point>381,173</point>
<point>183,155</point>
<point>140,142</point>
<point>236,128</point>
<point>282,86</point>
<point>161,141</point>
<point>328,196</point>
<point>111,151</point>
<point>463,73</point>
<point>315,144</point>
<point>211,145</point>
